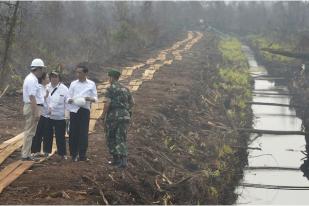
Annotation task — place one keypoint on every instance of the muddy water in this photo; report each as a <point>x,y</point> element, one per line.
<point>273,175</point>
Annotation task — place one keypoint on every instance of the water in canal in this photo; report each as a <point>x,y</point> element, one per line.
<point>273,175</point>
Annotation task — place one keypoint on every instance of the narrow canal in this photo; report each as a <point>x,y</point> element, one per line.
<point>273,175</point>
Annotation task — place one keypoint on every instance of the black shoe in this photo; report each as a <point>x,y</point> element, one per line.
<point>83,159</point>
<point>26,159</point>
<point>63,157</point>
<point>115,161</point>
<point>46,155</point>
<point>30,159</point>
<point>37,154</point>
<point>75,159</point>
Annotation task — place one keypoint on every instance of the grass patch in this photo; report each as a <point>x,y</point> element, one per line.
<point>235,78</point>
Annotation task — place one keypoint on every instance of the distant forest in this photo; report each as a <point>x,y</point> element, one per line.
<point>71,32</point>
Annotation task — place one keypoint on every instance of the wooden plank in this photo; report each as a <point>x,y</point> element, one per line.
<point>11,172</point>
<point>97,109</point>
<point>3,146</point>
<point>149,72</point>
<point>151,61</point>
<point>102,86</point>
<point>14,174</point>
<point>149,77</point>
<point>5,153</point>
<point>127,72</point>
<point>137,66</point>
<point>135,82</point>
<point>8,169</point>
<point>168,62</point>
<point>95,114</point>
<point>134,88</point>
<point>14,139</point>
<point>161,57</point>
<point>157,66</point>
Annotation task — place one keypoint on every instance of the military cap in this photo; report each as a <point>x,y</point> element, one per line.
<point>54,73</point>
<point>114,73</point>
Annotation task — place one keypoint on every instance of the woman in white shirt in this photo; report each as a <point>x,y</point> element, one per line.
<point>58,94</point>
<point>43,121</point>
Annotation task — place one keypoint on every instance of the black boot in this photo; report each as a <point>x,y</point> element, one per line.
<point>123,162</point>
<point>116,160</point>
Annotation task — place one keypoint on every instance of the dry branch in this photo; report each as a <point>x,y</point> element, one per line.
<point>252,148</point>
<point>6,88</point>
<point>98,187</point>
<point>269,78</point>
<point>273,168</point>
<point>296,55</point>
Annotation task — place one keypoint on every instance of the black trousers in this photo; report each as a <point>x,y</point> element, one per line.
<point>78,134</point>
<point>56,127</point>
<point>40,135</point>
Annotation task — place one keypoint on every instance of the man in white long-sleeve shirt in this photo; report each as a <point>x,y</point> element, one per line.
<point>58,94</point>
<point>33,102</point>
<point>42,126</point>
<point>82,92</point>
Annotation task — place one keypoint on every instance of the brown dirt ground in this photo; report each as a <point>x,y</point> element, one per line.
<point>11,119</point>
<point>168,110</point>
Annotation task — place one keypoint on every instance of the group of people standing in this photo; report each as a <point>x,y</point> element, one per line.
<point>49,106</point>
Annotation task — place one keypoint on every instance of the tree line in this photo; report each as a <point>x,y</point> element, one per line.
<point>70,32</point>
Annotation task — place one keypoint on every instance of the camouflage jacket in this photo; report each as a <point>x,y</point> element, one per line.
<point>121,102</point>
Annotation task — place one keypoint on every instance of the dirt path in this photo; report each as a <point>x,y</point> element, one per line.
<point>173,157</point>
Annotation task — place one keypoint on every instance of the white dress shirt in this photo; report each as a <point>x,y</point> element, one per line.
<point>78,89</point>
<point>57,101</point>
<point>31,86</point>
<point>43,90</point>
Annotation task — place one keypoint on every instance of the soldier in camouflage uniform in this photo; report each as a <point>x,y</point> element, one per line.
<point>117,115</point>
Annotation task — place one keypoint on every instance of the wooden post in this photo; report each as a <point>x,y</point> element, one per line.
<point>275,132</point>
<point>269,93</point>
<point>273,104</point>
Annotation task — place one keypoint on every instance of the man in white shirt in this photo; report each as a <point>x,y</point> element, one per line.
<point>58,94</point>
<point>33,102</point>
<point>82,92</point>
<point>42,126</point>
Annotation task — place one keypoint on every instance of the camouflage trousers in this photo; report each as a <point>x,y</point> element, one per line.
<point>116,136</point>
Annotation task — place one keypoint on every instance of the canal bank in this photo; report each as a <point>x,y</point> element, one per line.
<point>273,175</point>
